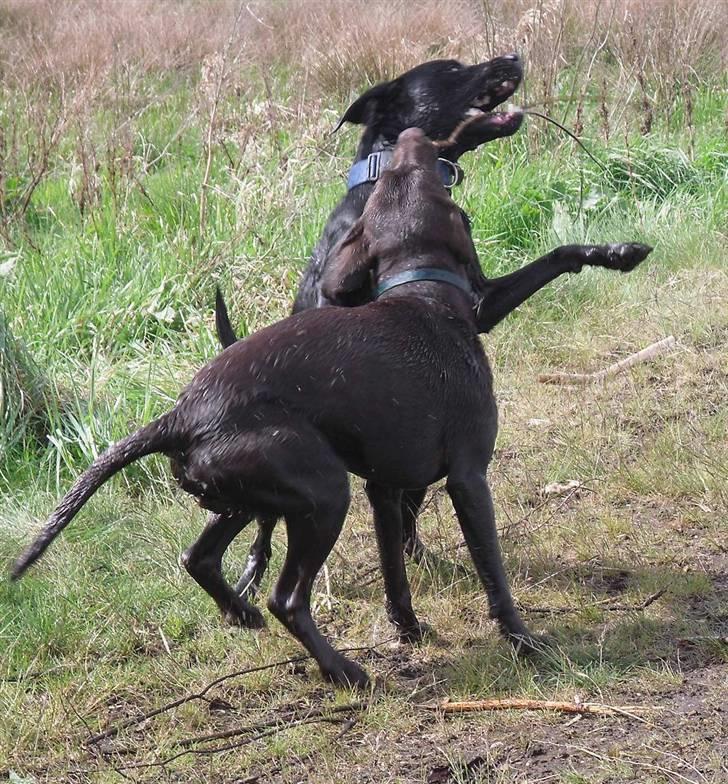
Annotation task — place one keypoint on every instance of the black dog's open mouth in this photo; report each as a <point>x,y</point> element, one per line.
<point>481,112</point>
<point>512,115</point>
<point>487,101</point>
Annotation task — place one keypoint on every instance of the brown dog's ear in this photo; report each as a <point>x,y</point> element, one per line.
<point>349,266</point>
<point>459,239</point>
<point>366,107</point>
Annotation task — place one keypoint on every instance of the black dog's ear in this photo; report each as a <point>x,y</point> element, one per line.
<point>348,269</point>
<point>363,110</point>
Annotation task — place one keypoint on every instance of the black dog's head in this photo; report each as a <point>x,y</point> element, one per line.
<point>436,97</point>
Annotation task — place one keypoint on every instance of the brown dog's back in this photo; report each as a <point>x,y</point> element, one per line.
<point>376,381</point>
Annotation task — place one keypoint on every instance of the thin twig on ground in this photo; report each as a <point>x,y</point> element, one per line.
<point>518,703</point>
<point>269,731</point>
<point>322,713</point>
<point>114,730</point>
<point>276,769</point>
<point>602,604</point>
<point>661,347</point>
<point>210,750</point>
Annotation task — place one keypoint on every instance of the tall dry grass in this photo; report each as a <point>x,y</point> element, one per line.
<point>340,44</point>
<point>64,65</point>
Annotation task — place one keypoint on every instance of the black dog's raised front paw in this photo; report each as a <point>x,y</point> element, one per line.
<point>625,256</point>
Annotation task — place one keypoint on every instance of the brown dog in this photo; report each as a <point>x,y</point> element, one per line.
<point>397,391</point>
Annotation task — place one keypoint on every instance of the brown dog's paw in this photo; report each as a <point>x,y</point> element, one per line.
<point>248,618</point>
<point>346,673</point>
<point>520,637</point>
<point>413,635</point>
<point>350,675</point>
<point>531,644</point>
<point>626,256</point>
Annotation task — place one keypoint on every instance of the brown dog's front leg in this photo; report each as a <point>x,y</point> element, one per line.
<point>473,504</point>
<point>505,294</point>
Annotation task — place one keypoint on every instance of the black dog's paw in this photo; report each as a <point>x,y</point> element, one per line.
<point>626,256</point>
<point>248,617</point>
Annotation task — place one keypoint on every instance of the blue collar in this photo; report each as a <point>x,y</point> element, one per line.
<point>370,168</point>
<point>422,274</point>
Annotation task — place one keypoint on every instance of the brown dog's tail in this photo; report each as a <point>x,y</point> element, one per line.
<point>225,333</point>
<point>157,436</point>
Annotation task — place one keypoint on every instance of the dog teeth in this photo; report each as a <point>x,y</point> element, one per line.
<point>474,112</point>
<point>481,100</point>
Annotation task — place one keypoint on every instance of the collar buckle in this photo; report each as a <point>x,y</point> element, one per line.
<point>374,166</point>
<point>451,173</point>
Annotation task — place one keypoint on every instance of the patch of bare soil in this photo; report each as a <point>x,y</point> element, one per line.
<point>684,739</point>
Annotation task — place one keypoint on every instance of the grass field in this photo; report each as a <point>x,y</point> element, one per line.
<point>150,150</point>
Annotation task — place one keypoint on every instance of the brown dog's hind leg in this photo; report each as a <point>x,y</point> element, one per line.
<point>203,560</point>
<point>310,539</point>
<point>473,504</point>
<point>387,506</point>
<point>312,486</point>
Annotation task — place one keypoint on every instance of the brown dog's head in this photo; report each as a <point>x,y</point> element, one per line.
<point>409,222</point>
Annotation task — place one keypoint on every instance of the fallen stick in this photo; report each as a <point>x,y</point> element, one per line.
<point>323,714</point>
<point>661,347</point>
<point>602,604</point>
<point>517,703</point>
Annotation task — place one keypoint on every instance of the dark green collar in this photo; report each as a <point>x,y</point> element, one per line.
<point>423,274</point>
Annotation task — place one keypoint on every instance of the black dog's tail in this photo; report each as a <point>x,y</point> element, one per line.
<point>224,328</point>
<point>157,436</point>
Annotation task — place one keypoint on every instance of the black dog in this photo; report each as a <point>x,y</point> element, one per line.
<point>439,97</point>
<point>402,396</point>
